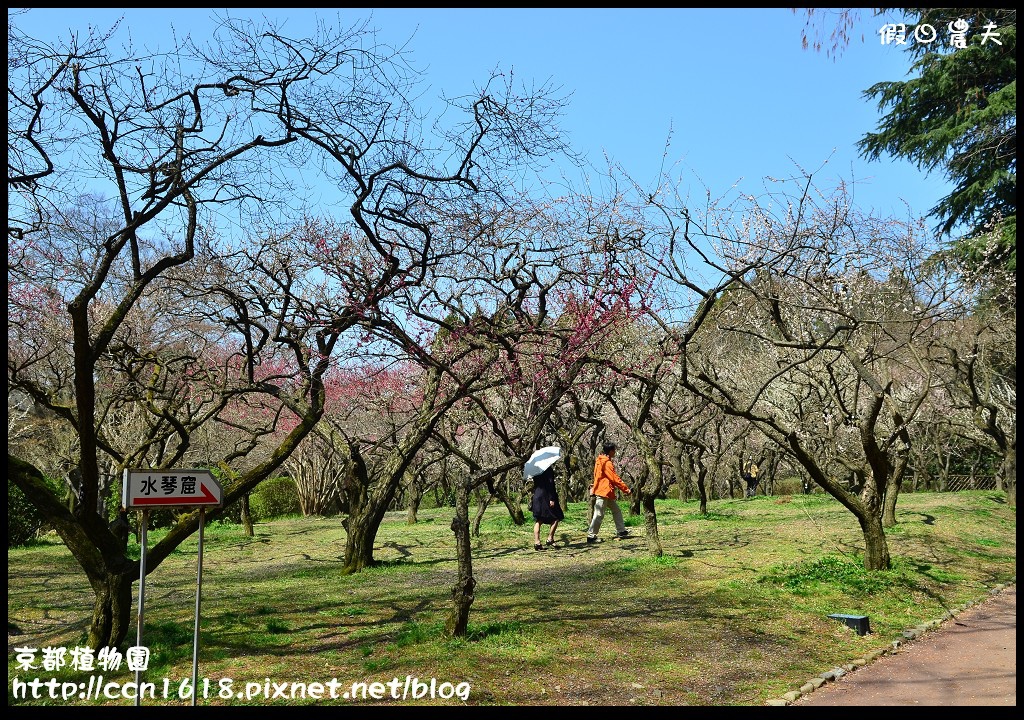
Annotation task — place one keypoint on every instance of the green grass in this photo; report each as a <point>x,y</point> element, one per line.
<point>834,573</point>
<point>734,612</point>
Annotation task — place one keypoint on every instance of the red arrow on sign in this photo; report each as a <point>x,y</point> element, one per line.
<point>207,498</point>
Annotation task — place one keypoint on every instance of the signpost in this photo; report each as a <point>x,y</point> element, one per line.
<point>182,488</point>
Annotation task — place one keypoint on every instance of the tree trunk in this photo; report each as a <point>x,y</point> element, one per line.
<point>892,493</point>
<point>462,593</point>
<point>415,494</point>
<point>1007,475</point>
<point>96,548</point>
<point>366,508</point>
<point>563,486</point>
<point>112,610</point>
<point>481,507</point>
<point>892,485</point>
<point>361,530</point>
<point>676,460</point>
<point>647,491</point>
<point>894,479</point>
<point>876,549</point>
<point>651,526</point>
<point>635,507</point>
<point>246,516</point>
<point>702,491</point>
<point>889,506</point>
<point>769,472</point>
<point>514,507</point>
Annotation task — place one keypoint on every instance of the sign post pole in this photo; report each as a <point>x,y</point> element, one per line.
<point>199,589</point>
<point>142,598</point>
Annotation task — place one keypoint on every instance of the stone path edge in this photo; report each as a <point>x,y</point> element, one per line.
<point>908,635</point>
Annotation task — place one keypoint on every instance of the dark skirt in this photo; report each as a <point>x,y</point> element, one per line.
<point>540,504</point>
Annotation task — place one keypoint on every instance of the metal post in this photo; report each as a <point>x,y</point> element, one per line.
<point>199,590</point>
<point>142,601</point>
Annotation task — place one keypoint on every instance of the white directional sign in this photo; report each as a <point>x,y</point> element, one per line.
<point>173,488</point>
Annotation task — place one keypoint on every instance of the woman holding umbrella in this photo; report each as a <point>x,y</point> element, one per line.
<point>544,504</point>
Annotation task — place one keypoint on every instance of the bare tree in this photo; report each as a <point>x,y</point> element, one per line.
<point>194,155</point>
<point>318,472</point>
<point>827,316</point>
<point>980,359</point>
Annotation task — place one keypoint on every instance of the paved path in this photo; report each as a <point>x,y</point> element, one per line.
<point>970,660</point>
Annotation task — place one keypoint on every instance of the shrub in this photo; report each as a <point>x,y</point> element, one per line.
<point>788,486</point>
<point>23,520</point>
<point>232,514</point>
<point>273,498</point>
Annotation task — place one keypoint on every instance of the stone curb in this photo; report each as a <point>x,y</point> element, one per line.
<point>907,635</point>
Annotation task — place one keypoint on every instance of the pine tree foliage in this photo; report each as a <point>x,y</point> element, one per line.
<point>958,114</point>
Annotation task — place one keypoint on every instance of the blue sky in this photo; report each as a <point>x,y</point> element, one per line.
<point>741,97</point>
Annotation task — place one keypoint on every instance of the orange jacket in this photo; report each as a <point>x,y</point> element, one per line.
<point>606,480</point>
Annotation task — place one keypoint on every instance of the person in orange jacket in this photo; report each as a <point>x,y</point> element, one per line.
<point>606,482</point>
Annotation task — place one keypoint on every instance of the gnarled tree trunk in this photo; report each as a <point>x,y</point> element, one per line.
<point>462,591</point>
<point>481,508</point>
<point>366,508</point>
<point>112,609</point>
<point>246,516</point>
<point>876,549</point>
<point>414,494</point>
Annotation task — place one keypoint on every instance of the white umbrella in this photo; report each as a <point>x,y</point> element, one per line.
<point>541,461</point>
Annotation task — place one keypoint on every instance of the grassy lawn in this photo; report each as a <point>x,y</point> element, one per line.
<point>734,613</point>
